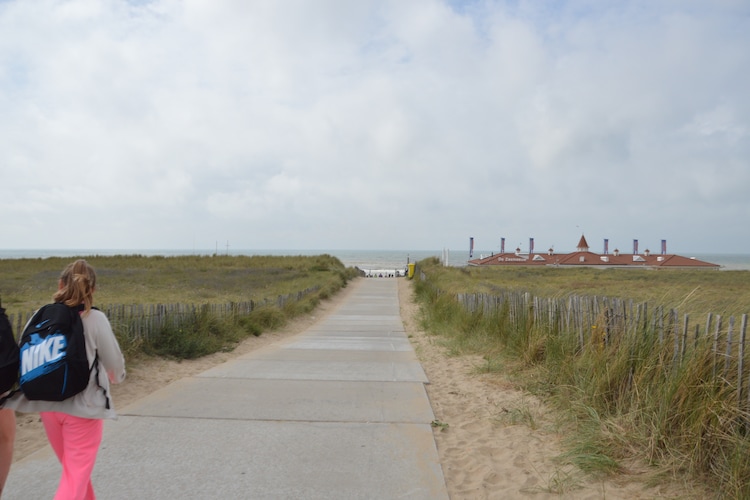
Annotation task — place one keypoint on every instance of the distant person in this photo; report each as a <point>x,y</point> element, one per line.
<point>74,426</point>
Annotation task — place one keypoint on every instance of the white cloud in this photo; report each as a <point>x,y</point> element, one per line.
<point>371,124</point>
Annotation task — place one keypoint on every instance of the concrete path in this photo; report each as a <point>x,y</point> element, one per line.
<point>337,412</point>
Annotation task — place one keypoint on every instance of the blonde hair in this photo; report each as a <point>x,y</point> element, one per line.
<point>77,283</point>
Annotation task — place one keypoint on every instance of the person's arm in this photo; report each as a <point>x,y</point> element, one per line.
<point>108,350</point>
<point>7,438</point>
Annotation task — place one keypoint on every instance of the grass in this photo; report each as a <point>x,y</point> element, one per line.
<point>696,292</point>
<point>147,280</point>
<point>519,413</point>
<point>199,280</point>
<point>622,401</point>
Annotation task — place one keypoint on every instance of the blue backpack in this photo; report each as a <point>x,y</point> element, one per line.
<point>53,362</point>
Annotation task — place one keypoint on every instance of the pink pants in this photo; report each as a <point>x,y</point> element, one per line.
<point>76,442</point>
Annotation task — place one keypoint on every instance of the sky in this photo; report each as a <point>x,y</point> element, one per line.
<point>375,124</point>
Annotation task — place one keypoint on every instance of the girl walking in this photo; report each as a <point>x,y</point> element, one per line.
<point>74,426</point>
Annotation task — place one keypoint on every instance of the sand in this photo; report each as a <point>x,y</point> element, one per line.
<point>493,441</point>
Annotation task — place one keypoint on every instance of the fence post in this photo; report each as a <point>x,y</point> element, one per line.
<point>729,346</point>
<point>578,317</point>
<point>741,363</point>
<point>684,337</point>
<point>661,325</point>
<point>716,344</point>
<point>708,324</point>
<point>676,332</point>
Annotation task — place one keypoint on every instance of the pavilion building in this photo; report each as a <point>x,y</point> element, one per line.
<point>584,257</point>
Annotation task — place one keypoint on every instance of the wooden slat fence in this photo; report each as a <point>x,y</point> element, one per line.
<point>603,320</point>
<point>140,321</point>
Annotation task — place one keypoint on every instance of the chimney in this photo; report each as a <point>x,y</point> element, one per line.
<point>664,247</point>
<point>531,246</point>
<point>502,245</point>
<point>606,246</point>
<point>635,247</point>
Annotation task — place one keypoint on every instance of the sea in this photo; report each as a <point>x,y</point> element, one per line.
<point>363,259</point>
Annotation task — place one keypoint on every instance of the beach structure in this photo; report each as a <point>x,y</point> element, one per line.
<point>584,257</point>
<point>381,273</point>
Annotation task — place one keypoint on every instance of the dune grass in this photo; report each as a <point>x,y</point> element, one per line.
<point>27,284</point>
<point>697,292</point>
<point>622,402</point>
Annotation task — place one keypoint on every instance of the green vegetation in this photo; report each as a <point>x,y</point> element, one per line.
<point>197,283</point>
<point>624,397</point>
<point>694,292</point>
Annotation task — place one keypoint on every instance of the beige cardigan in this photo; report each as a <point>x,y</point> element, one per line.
<point>95,401</point>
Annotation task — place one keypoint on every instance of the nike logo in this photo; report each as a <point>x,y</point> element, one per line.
<point>42,323</point>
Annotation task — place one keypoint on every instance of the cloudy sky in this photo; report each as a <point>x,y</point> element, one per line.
<point>374,124</point>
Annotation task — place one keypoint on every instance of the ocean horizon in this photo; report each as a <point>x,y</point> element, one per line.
<point>363,259</point>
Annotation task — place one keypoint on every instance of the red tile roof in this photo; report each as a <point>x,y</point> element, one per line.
<point>582,257</point>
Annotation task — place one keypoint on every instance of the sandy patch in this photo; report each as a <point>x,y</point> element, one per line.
<point>493,441</point>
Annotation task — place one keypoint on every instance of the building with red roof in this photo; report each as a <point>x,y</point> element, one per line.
<point>583,257</point>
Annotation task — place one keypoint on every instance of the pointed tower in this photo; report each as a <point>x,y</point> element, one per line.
<point>583,245</point>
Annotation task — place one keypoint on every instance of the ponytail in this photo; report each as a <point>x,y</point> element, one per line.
<point>77,283</point>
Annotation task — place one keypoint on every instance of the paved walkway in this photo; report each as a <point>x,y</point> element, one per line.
<point>336,412</point>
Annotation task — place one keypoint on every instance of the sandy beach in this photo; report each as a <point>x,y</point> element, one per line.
<point>493,440</point>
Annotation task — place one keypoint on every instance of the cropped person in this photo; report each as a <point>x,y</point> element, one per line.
<point>7,417</point>
<point>74,426</point>
<point>7,437</point>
